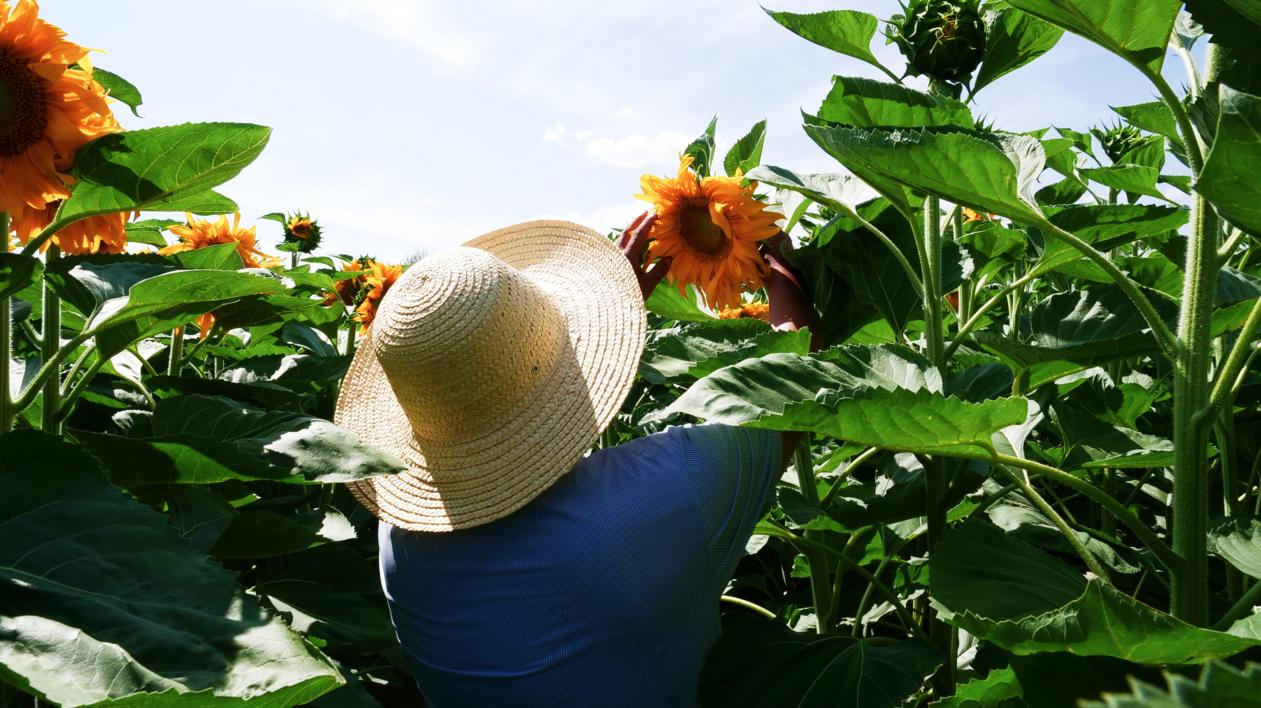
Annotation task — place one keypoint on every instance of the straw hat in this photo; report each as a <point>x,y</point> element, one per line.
<point>490,369</point>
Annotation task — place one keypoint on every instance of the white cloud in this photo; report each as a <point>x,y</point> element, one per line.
<point>606,218</point>
<point>416,22</point>
<point>584,135</point>
<point>554,133</point>
<point>639,151</point>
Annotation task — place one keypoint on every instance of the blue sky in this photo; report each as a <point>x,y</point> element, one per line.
<point>414,125</point>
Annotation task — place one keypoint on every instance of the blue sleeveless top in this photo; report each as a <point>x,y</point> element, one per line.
<point>602,591</point>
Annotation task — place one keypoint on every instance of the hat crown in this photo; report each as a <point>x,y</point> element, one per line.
<point>463,338</point>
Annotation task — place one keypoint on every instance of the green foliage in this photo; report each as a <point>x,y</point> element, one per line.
<point>1220,686</point>
<point>1136,30</point>
<point>848,32</point>
<point>168,169</point>
<point>1227,177</point>
<point>79,633</point>
<point>747,152</point>
<point>1012,40</point>
<point>197,439</point>
<point>119,89</point>
<point>1032,399</point>
<point>764,664</point>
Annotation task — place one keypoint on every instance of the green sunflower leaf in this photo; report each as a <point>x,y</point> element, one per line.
<point>747,152</point>
<point>1238,542</point>
<point>1136,30</point>
<point>104,602</point>
<point>1009,592</point>
<point>989,172</point>
<point>848,32</point>
<point>866,103</point>
<point>159,167</point>
<point>1220,686</point>
<point>882,397</point>
<point>1229,176</point>
<point>199,439</point>
<point>764,663</point>
<point>119,89</point>
<point>1012,39</point>
<point>17,272</point>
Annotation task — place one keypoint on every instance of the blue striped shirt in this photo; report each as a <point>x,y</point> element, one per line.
<point>602,591</point>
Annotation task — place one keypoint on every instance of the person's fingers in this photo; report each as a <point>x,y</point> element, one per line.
<point>639,240</point>
<point>653,276</point>
<point>630,229</point>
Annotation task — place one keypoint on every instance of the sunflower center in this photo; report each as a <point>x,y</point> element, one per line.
<point>23,115</point>
<point>699,231</point>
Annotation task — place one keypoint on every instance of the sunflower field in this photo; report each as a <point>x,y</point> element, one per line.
<point>1032,461</point>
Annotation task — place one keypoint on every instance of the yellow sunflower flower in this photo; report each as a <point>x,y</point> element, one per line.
<point>199,234</point>
<point>204,324</point>
<point>48,110</point>
<point>348,290</point>
<point>753,310</point>
<point>970,215</point>
<point>709,228</point>
<point>377,282</point>
<point>301,227</point>
<point>105,233</point>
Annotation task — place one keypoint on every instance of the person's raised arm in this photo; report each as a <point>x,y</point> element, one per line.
<point>790,308</point>
<point>634,242</point>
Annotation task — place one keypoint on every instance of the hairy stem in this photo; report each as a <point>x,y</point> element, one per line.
<point>1143,531</point>
<point>820,584</point>
<point>1191,392</point>
<point>1022,482</point>
<point>6,340</point>
<point>1168,343</point>
<point>50,342</point>
<point>777,531</point>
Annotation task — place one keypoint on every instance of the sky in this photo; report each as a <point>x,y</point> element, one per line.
<point>410,126</point>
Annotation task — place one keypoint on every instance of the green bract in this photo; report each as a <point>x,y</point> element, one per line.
<point>941,39</point>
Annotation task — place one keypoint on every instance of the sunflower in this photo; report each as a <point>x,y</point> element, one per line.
<point>204,324</point>
<point>49,108</point>
<point>348,290</point>
<point>104,233</point>
<point>970,215</point>
<point>749,310</point>
<point>199,234</point>
<point>709,228</point>
<point>376,283</point>
<point>302,234</point>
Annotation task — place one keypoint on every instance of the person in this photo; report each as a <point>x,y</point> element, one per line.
<point>518,569</point>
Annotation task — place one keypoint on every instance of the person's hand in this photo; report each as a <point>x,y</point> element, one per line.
<point>634,244</point>
<point>773,253</point>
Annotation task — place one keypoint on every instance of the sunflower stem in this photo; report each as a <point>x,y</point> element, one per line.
<point>936,482</point>
<point>175,354</point>
<point>50,342</point>
<point>6,339</point>
<point>1191,394</point>
<point>820,587</point>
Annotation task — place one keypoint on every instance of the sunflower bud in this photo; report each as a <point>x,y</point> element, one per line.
<point>941,39</point>
<point>302,233</point>
<point>1118,140</point>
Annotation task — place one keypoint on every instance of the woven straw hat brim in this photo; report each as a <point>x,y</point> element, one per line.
<point>468,482</point>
